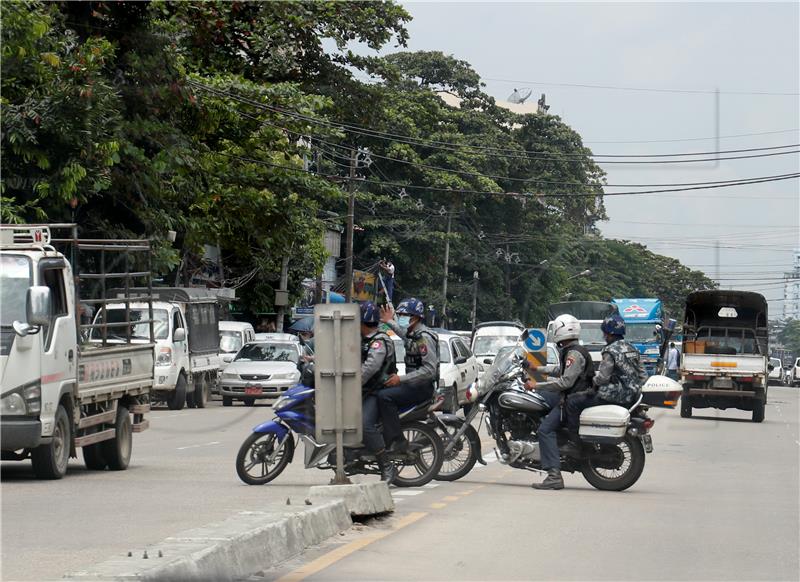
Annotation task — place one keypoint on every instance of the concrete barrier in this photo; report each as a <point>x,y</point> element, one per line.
<point>238,547</point>
<point>361,499</point>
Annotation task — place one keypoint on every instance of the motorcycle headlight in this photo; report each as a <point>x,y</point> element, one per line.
<point>281,403</point>
<point>13,404</point>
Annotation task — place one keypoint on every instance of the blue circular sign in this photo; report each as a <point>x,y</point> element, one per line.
<point>536,341</point>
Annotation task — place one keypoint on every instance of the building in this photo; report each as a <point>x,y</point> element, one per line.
<point>791,289</point>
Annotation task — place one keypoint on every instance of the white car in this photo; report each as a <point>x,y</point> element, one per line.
<point>490,337</point>
<point>794,379</point>
<point>261,370</point>
<point>776,374</point>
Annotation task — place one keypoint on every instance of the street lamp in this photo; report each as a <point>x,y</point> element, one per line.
<point>585,273</point>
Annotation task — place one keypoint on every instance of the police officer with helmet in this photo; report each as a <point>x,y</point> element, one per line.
<point>378,362</point>
<point>619,378</point>
<point>574,375</point>
<point>422,369</point>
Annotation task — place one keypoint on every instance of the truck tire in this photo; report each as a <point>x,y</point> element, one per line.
<point>758,406</point>
<point>177,398</point>
<point>50,460</point>
<point>202,391</point>
<point>118,450</point>
<point>93,455</point>
<point>686,406</point>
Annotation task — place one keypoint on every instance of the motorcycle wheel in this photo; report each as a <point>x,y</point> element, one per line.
<point>630,456</point>
<point>462,458</point>
<point>428,455</point>
<point>252,463</point>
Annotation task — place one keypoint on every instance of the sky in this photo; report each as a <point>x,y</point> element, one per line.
<point>686,51</point>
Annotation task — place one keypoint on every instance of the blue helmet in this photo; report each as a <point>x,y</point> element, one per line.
<point>613,325</point>
<point>411,306</point>
<point>369,312</point>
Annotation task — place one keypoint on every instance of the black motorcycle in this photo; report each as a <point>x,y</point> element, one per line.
<point>613,439</point>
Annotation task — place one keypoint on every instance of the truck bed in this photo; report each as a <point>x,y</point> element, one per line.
<point>713,364</point>
<point>106,373</point>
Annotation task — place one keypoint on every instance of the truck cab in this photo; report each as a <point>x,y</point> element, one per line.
<point>644,320</point>
<point>725,352</point>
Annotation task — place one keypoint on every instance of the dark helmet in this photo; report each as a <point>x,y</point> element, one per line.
<point>613,325</point>
<point>369,313</point>
<point>411,306</point>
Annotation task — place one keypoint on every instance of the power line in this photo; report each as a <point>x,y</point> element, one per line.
<point>502,152</point>
<point>716,137</point>
<point>641,89</point>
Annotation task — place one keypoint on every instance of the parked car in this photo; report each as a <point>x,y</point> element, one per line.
<point>458,367</point>
<point>262,370</point>
<point>232,336</point>
<point>489,337</point>
<point>776,374</point>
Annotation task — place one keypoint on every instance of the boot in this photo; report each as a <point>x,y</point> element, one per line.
<point>552,481</point>
<point>388,470</point>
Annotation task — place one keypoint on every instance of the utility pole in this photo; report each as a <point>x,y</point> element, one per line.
<point>474,314</point>
<point>446,268</point>
<point>351,204</point>
<point>282,294</point>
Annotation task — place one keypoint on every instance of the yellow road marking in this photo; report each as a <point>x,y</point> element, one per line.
<point>438,505</point>
<point>339,553</point>
<point>450,498</point>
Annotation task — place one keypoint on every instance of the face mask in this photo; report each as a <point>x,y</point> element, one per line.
<point>404,320</point>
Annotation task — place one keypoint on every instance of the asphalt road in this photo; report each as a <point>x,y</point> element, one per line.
<point>718,500</point>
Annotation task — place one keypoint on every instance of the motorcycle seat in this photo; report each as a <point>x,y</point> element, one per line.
<point>416,412</point>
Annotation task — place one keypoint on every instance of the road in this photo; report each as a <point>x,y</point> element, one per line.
<point>718,500</point>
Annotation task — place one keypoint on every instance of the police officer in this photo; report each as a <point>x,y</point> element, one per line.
<point>619,377</point>
<point>422,369</point>
<point>378,362</point>
<point>575,375</point>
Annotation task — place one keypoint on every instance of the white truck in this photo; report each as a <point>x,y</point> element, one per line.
<point>725,363</point>
<point>186,332</point>
<point>59,391</point>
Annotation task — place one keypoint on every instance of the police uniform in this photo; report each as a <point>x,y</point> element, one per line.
<point>419,381</point>
<point>378,362</point>
<point>576,374</point>
<point>619,380</point>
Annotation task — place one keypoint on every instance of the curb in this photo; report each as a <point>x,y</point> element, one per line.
<point>246,543</point>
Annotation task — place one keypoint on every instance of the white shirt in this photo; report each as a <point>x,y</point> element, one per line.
<point>672,359</point>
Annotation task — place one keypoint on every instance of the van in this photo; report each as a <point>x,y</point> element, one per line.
<point>232,336</point>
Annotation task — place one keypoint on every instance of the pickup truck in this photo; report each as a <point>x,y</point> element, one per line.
<point>61,392</point>
<point>725,362</point>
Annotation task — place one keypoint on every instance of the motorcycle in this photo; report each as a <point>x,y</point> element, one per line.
<point>461,446</point>
<point>613,439</point>
<point>270,447</point>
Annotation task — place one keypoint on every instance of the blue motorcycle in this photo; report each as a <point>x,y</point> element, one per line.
<point>270,448</point>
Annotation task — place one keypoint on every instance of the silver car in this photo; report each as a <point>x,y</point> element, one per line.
<point>261,370</point>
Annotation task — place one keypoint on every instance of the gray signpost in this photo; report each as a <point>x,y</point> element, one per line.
<point>337,342</point>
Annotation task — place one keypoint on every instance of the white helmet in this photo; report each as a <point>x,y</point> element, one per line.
<point>566,327</point>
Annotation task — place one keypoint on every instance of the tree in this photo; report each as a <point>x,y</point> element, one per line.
<point>789,336</point>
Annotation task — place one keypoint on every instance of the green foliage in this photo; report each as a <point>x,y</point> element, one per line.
<point>789,336</point>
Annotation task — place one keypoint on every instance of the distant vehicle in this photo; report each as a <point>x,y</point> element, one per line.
<point>458,367</point>
<point>232,336</point>
<point>591,315</point>
<point>60,392</point>
<point>187,338</point>
<point>776,373</point>
<point>794,377</point>
<point>263,369</point>
<point>489,337</point>
<point>644,320</point>
<point>725,349</point>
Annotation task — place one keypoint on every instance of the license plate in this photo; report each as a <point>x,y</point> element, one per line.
<point>253,390</point>
<point>647,441</point>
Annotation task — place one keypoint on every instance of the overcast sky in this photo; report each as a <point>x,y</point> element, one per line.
<point>733,47</point>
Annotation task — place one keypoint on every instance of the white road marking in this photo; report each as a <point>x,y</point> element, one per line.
<point>431,485</point>
<point>406,493</point>
<point>198,446</point>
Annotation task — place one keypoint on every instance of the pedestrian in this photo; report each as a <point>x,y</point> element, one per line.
<point>673,361</point>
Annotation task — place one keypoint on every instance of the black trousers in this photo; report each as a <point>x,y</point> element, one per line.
<point>391,400</point>
<point>373,437</point>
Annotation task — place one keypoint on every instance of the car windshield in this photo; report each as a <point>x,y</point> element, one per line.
<point>591,333</point>
<point>489,345</point>
<point>727,341</point>
<point>15,278</point>
<point>230,342</point>
<point>141,330</point>
<point>640,333</point>
<point>268,352</point>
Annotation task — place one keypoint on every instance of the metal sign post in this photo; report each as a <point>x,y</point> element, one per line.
<point>337,342</point>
